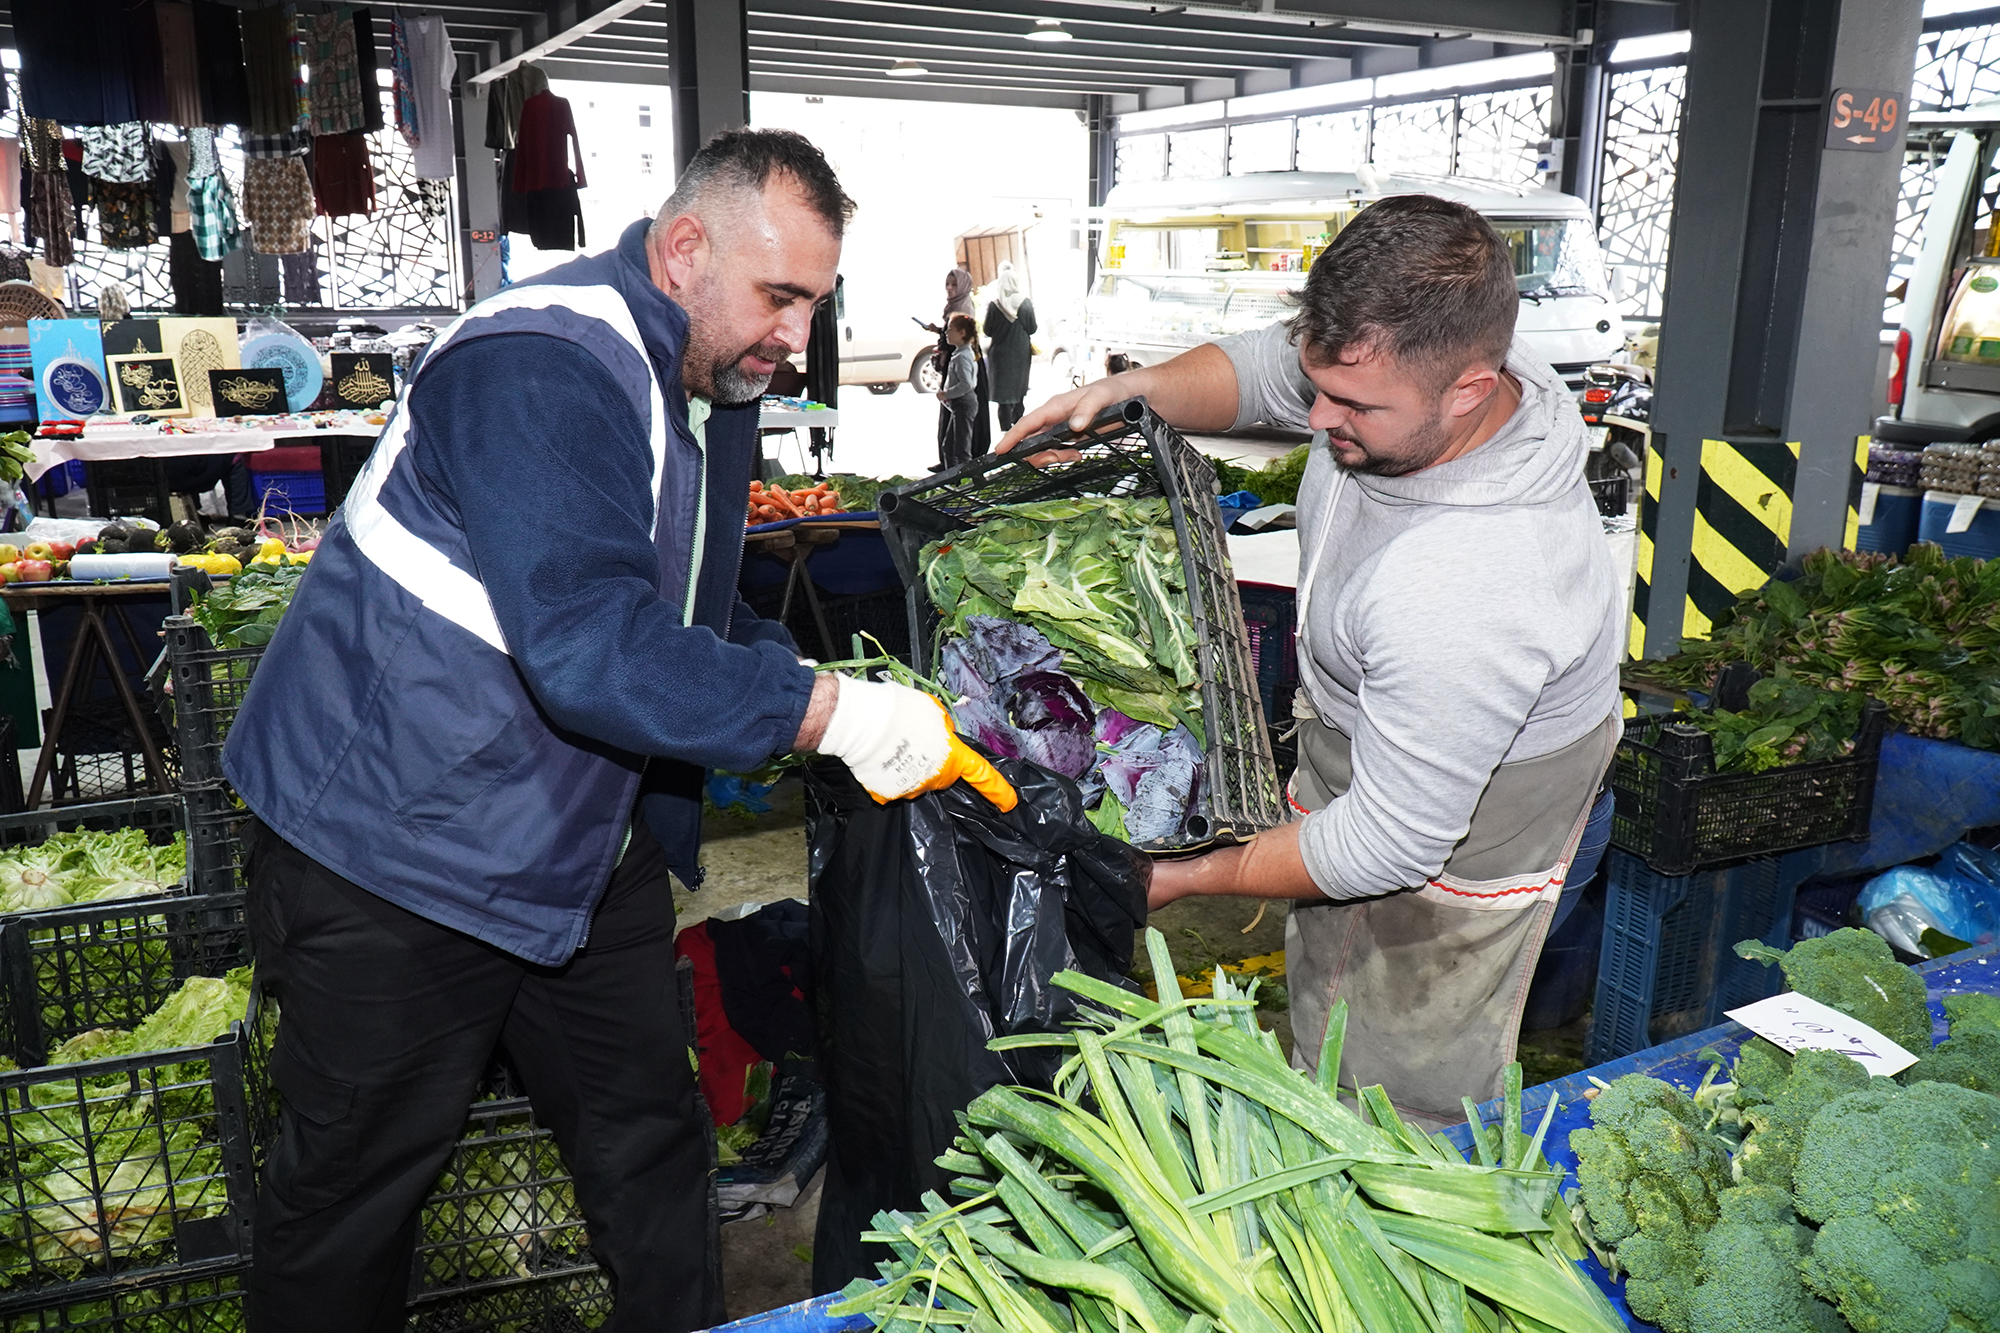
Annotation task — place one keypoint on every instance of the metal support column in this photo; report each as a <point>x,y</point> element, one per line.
<point>1773,302</point>
<point>709,68</point>
<point>1576,118</point>
<point>1103,149</point>
<point>478,191</point>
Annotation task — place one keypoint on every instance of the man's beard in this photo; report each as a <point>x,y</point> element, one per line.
<point>1415,452</point>
<point>721,375</point>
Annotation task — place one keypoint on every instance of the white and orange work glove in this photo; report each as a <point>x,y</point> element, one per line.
<point>899,742</point>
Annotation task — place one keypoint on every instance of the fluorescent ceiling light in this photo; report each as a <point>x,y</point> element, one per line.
<point>1172,117</point>
<point>1937,9</point>
<point>1316,97</point>
<point>907,69</point>
<point>1470,74</point>
<point>1652,47</point>
<point>1048,30</point>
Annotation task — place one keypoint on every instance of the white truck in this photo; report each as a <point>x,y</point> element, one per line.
<point>1184,262</point>
<point>1944,373</point>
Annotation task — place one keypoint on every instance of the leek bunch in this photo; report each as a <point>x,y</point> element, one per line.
<point>1185,1178</point>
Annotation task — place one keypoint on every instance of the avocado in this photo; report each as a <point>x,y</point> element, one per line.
<point>184,536</point>
<point>117,532</point>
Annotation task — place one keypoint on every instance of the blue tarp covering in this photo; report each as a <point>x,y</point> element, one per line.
<point>1927,794</point>
<point>1676,1062</point>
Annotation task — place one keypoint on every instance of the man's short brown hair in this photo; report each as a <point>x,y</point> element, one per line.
<point>1414,277</point>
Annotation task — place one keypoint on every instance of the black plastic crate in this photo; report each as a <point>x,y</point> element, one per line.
<point>1676,812</point>
<point>1270,621</point>
<point>160,817</point>
<point>108,965</point>
<point>884,615</point>
<point>341,458</point>
<point>205,687</point>
<point>569,1303</point>
<point>120,1173</point>
<point>503,1209</point>
<point>129,488</point>
<point>206,1300</point>
<point>215,822</point>
<point>99,754</point>
<point>1612,494</point>
<point>1667,965</point>
<point>1127,452</point>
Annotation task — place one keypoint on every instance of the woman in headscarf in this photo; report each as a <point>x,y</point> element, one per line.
<point>958,301</point>
<point>1010,331</point>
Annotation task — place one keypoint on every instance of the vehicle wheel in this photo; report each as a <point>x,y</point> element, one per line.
<point>1063,368</point>
<point>884,390</point>
<point>924,377</point>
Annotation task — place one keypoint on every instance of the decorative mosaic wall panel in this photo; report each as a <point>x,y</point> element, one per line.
<point>1500,134</point>
<point>1263,145</point>
<point>1334,142</point>
<point>1636,199</point>
<point>1141,157</point>
<point>1955,68</point>
<point>1415,138</point>
<point>1197,155</point>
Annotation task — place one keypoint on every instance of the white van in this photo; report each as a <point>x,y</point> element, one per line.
<point>1184,262</point>
<point>1944,375</point>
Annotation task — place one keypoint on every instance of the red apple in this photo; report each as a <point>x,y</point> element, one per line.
<point>61,551</point>
<point>35,571</point>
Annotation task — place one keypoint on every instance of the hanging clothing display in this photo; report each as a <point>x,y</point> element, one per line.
<point>177,200</point>
<point>142,46</point>
<point>400,80</point>
<point>211,208</point>
<point>278,205</point>
<point>432,66</point>
<point>301,273</point>
<point>125,215</point>
<point>545,144</point>
<point>180,61</point>
<point>270,69</point>
<point>50,210</point>
<point>197,282</point>
<point>225,92</point>
<point>13,264</point>
<point>165,176</point>
<point>122,154</point>
<point>504,98</point>
<point>552,219</point>
<point>366,58</point>
<point>338,100</point>
<point>343,177</point>
<point>74,63</point>
<point>10,176</point>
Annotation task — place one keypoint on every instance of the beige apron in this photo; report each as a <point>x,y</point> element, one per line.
<point>1436,976</point>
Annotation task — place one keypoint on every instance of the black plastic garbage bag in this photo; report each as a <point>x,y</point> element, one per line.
<point>937,924</point>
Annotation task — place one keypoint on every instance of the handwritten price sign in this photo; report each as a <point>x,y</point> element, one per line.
<point>1800,1024</point>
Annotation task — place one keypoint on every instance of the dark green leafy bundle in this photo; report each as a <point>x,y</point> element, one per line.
<point>1786,722</point>
<point>1920,633</point>
<point>1184,1178</point>
<point>244,613</point>
<point>1101,579</point>
<point>1277,484</point>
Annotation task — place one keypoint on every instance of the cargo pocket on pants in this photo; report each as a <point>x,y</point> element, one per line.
<point>313,1164</point>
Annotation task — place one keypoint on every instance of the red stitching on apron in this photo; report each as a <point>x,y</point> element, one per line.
<point>1555,880</point>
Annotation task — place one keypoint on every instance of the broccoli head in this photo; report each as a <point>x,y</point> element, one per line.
<point>1970,1056</point>
<point>1878,1284</point>
<point>1749,1270</point>
<point>1647,1161</point>
<point>1660,1266</point>
<point>1905,1182</point>
<point>1777,1124</point>
<point>1855,972</point>
<point>1971,1291</point>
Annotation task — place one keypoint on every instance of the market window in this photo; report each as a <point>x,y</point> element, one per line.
<point>645,164</point>
<point>646,122</point>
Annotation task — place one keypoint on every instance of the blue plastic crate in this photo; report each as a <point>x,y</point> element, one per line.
<point>1667,964</point>
<point>1981,540</point>
<point>1897,515</point>
<point>298,492</point>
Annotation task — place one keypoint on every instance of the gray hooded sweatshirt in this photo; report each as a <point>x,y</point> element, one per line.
<point>1462,617</point>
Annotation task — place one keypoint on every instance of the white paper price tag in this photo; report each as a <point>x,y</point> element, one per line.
<point>1962,512</point>
<point>1870,492</point>
<point>1798,1024</point>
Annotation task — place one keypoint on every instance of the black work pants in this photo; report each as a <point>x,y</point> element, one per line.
<point>388,1022</point>
<point>959,421</point>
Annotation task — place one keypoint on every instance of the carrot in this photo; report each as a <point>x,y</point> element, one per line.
<point>756,486</point>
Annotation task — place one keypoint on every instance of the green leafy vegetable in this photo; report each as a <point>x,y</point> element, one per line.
<point>1786,722</point>
<point>244,613</point>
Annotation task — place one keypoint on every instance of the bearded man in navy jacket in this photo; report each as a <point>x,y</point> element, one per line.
<point>475,748</point>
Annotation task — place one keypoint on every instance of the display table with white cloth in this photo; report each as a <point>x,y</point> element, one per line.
<point>104,441</point>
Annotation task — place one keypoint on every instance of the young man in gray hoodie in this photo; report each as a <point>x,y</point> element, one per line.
<point>1459,626</point>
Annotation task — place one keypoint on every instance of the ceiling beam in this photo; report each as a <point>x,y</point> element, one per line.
<point>542,35</point>
<point>895,91</point>
<point>1052,56</point>
<point>846,17</point>
<point>1082,83</point>
<point>1531,22</point>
